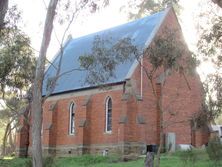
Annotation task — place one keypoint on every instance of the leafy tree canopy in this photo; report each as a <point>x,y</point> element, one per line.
<point>16,56</point>
<point>209,50</point>
<point>138,9</point>
<point>106,55</point>
<point>17,64</point>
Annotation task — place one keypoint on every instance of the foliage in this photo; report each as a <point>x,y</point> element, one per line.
<point>16,61</point>
<point>209,50</point>
<point>188,157</point>
<point>13,106</point>
<point>16,56</point>
<point>214,94</point>
<point>15,162</point>
<point>99,161</point>
<point>138,9</point>
<point>17,64</point>
<point>211,40</point>
<point>69,11</point>
<point>212,101</point>
<point>37,100</point>
<point>48,161</point>
<point>214,151</point>
<point>87,160</point>
<point>106,55</point>
<point>219,120</point>
<point>3,11</point>
<point>167,53</point>
<point>166,50</point>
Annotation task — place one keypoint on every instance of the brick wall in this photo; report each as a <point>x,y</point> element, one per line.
<point>135,120</point>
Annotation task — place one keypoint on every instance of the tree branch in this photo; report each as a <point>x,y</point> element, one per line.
<point>218,2</point>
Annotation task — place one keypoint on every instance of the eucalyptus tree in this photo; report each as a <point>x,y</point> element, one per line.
<point>167,52</point>
<point>210,51</point>
<point>17,63</point>
<point>3,11</point>
<point>38,100</point>
<point>138,9</point>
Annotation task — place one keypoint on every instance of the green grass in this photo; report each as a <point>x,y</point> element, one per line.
<point>178,159</point>
<point>95,161</point>
<point>14,162</point>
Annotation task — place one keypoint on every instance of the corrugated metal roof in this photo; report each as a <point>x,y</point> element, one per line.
<point>140,31</point>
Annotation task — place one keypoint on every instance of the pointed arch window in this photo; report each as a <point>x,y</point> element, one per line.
<point>108,109</point>
<point>72,118</point>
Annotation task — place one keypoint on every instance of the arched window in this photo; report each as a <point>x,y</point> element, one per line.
<point>108,107</point>
<point>72,118</point>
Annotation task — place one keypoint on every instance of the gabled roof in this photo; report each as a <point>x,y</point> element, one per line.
<point>140,31</point>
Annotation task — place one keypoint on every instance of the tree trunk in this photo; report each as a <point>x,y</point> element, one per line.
<point>3,11</point>
<point>218,2</point>
<point>27,127</point>
<point>160,110</point>
<point>37,88</point>
<point>149,159</point>
<point>11,140</point>
<point>5,139</point>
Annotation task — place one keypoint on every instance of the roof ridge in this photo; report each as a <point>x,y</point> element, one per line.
<point>117,26</point>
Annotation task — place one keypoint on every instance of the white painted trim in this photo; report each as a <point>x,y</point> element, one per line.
<point>71,110</point>
<point>84,93</point>
<point>106,117</point>
<point>141,78</point>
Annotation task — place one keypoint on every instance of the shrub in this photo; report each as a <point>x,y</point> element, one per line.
<point>48,161</point>
<point>130,157</point>
<point>214,151</point>
<point>87,160</point>
<point>188,157</point>
<point>28,163</point>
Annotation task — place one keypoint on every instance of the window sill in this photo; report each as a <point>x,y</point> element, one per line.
<point>108,133</point>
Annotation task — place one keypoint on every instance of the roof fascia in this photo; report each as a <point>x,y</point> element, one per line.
<point>87,88</point>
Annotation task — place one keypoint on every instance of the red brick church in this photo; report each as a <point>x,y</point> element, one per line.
<point>79,118</point>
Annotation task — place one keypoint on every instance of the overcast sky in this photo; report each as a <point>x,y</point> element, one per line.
<point>33,15</point>
<point>34,11</point>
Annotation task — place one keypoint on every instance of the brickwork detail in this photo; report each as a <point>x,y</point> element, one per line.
<point>135,119</point>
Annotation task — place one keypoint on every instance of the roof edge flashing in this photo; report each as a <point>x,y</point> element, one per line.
<point>88,88</point>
